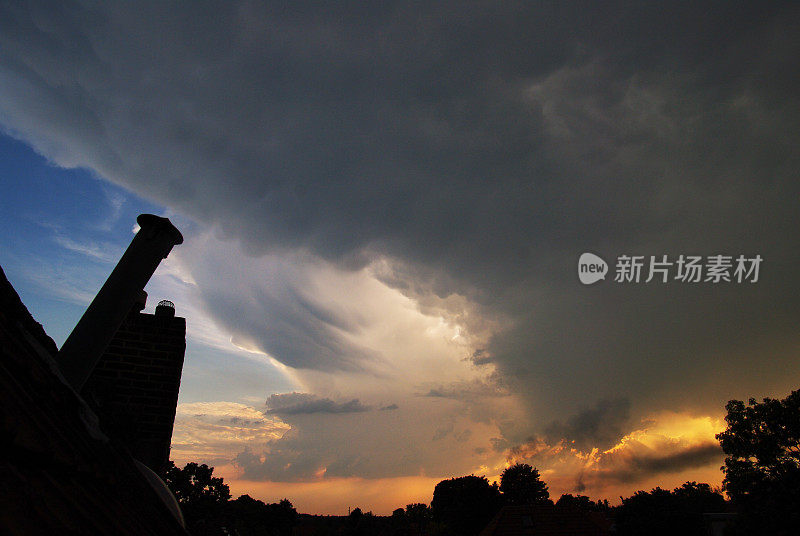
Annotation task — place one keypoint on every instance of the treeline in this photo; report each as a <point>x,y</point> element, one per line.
<point>208,510</point>
<point>762,480</point>
<point>461,506</point>
<point>464,506</point>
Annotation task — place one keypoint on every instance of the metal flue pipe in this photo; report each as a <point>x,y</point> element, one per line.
<point>91,336</point>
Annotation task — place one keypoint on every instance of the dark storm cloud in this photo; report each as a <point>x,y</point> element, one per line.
<point>305,403</point>
<point>483,146</point>
<point>601,426</point>
<point>637,468</point>
<point>468,390</point>
<point>628,461</point>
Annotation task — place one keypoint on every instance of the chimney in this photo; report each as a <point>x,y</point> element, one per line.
<point>121,291</point>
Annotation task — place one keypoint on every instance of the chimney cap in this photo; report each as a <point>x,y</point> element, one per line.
<point>165,308</point>
<point>155,224</point>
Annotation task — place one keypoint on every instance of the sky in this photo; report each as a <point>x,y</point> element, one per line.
<point>384,206</point>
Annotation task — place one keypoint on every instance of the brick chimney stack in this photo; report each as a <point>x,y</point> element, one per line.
<point>134,387</point>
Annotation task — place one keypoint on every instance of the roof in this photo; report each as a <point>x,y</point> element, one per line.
<point>546,520</point>
<point>61,473</point>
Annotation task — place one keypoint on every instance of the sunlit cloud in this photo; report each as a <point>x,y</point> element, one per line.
<point>669,446</point>
<point>212,431</point>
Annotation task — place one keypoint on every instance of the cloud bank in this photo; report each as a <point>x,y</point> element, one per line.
<point>304,403</point>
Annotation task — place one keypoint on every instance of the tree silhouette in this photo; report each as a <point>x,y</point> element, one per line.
<point>356,514</point>
<point>521,484</point>
<point>420,514</point>
<point>663,512</point>
<point>251,517</point>
<point>583,503</point>
<point>762,467</point>
<point>202,497</point>
<point>464,505</point>
<point>194,484</point>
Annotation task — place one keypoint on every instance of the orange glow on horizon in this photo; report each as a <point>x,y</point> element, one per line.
<point>335,495</point>
<point>599,474</point>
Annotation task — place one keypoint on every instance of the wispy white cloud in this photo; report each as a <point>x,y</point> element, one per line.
<point>108,252</point>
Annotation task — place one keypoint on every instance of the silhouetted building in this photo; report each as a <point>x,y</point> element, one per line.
<point>64,472</point>
<point>61,474</point>
<point>134,386</point>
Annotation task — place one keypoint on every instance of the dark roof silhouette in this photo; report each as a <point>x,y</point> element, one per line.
<point>546,520</point>
<point>60,473</point>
